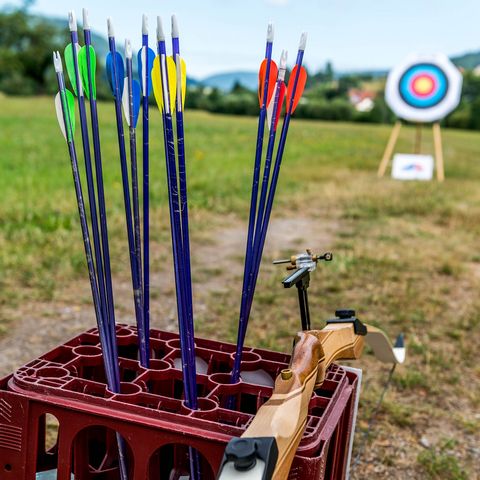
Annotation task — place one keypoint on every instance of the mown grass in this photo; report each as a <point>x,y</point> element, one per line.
<point>406,254</point>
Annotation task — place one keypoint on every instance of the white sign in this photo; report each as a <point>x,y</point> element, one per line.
<point>412,167</point>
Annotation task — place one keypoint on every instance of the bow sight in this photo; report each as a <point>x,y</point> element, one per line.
<point>303,264</point>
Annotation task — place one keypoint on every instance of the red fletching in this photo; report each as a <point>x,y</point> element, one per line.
<point>271,80</point>
<point>302,80</point>
<point>281,98</point>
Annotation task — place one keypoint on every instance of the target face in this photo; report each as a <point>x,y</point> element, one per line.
<point>424,89</point>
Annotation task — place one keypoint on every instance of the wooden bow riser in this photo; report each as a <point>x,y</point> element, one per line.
<point>284,415</point>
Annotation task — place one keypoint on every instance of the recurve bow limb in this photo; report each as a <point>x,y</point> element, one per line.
<point>266,449</point>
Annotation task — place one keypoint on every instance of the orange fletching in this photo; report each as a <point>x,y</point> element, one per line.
<point>272,78</point>
<point>302,80</point>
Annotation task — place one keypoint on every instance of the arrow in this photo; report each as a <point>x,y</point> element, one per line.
<point>71,60</point>
<point>274,108</point>
<point>115,74</point>
<point>267,448</point>
<point>252,265</point>
<point>266,79</point>
<point>181,79</point>
<point>164,87</point>
<point>87,65</point>
<point>146,57</point>
<point>65,108</point>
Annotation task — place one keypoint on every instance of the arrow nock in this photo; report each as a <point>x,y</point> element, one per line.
<point>86,24</point>
<point>303,41</point>
<point>72,21</point>
<point>175,31</point>
<point>144,25</point>
<point>57,62</point>
<point>270,32</point>
<point>111,31</point>
<point>160,33</point>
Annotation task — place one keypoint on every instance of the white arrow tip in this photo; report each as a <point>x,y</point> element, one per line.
<point>111,31</point>
<point>72,21</point>
<point>270,32</point>
<point>303,41</point>
<point>128,49</point>
<point>160,34</point>
<point>86,25</point>
<point>175,33</point>
<point>144,25</point>
<point>283,60</point>
<point>57,62</point>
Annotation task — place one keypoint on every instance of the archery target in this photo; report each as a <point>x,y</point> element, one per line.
<point>424,88</point>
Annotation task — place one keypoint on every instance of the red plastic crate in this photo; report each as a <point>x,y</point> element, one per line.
<point>69,383</point>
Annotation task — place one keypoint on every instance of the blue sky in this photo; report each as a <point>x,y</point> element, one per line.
<point>226,35</point>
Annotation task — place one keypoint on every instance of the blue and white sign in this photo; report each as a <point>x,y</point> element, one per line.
<point>412,167</point>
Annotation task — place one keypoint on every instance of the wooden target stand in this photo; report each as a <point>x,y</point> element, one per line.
<point>437,143</point>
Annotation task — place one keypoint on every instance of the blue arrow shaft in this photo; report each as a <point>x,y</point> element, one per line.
<point>187,356</point>
<point>268,209</point>
<point>182,174</point>
<point>242,324</point>
<point>93,207</point>
<point>137,292</point>
<point>146,201</point>
<point>86,239</point>
<point>144,354</point>
<point>102,210</point>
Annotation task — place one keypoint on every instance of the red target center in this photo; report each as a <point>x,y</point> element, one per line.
<point>423,85</point>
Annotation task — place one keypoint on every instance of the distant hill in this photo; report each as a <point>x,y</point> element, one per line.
<point>467,61</point>
<point>226,81</point>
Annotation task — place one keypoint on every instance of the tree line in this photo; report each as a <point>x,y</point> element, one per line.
<point>27,42</point>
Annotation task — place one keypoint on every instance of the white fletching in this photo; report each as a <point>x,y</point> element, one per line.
<point>160,34</point>
<point>57,62</point>
<point>175,32</point>
<point>283,65</point>
<point>144,25</point>
<point>86,25</point>
<point>72,21</point>
<point>126,101</point>
<point>111,31</point>
<point>144,70</point>
<point>270,32</point>
<point>178,65</point>
<point>303,41</point>
<point>58,109</point>
<point>128,49</point>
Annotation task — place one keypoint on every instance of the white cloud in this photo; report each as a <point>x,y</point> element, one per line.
<point>278,2</point>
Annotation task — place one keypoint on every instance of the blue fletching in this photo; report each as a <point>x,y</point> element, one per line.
<point>137,95</point>
<point>150,59</point>
<point>120,71</point>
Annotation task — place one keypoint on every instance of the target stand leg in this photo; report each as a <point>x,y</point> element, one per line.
<point>437,141</point>
<point>387,155</point>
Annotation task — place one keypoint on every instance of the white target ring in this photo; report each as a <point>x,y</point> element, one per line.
<point>424,88</point>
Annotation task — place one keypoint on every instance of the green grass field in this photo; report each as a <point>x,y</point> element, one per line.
<point>407,255</point>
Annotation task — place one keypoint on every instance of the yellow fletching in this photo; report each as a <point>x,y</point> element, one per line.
<point>157,82</point>
<point>172,81</point>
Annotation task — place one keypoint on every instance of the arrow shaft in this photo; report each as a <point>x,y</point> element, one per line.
<point>242,327</point>
<point>99,263</point>
<point>188,357</point>
<point>146,193</point>
<point>101,202</point>
<point>109,367</point>
<point>137,293</point>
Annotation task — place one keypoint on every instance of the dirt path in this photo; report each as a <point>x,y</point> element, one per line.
<point>217,265</point>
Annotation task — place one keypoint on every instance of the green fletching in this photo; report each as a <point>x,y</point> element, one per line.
<point>69,62</point>
<point>83,67</point>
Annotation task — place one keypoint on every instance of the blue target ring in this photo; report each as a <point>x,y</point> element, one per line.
<point>431,78</point>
